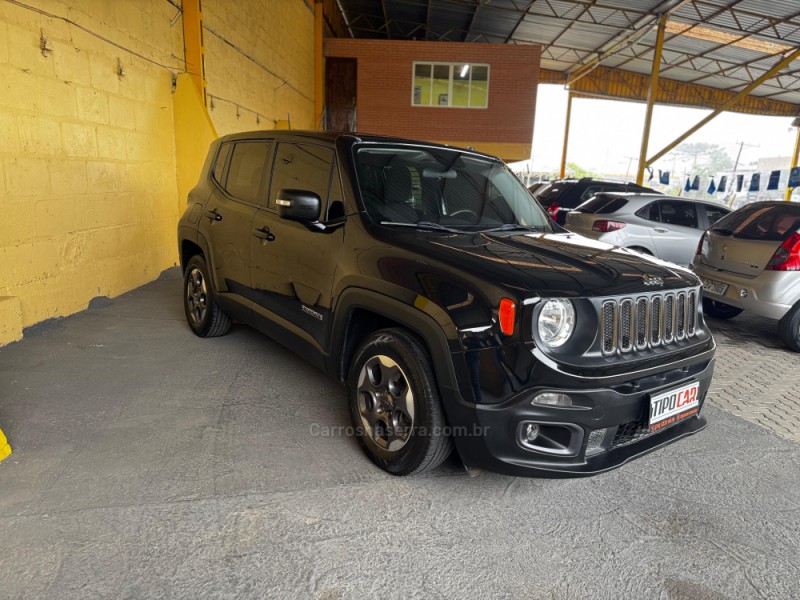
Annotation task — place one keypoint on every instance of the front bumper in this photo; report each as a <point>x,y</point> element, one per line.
<point>770,294</point>
<point>616,411</point>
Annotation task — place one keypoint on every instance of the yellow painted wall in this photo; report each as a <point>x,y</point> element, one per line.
<point>276,34</point>
<point>91,181</point>
<point>88,197</point>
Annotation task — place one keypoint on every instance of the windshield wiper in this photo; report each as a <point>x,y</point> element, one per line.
<point>514,227</point>
<point>427,225</point>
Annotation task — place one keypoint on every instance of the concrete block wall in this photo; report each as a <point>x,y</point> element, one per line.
<point>275,78</point>
<point>88,200</point>
<point>88,194</point>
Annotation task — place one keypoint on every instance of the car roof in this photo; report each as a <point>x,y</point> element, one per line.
<point>332,136</point>
<point>656,196</point>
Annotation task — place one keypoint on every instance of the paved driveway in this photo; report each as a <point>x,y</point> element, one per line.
<point>150,463</point>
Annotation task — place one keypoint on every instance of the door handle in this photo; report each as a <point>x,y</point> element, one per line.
<point>660,230</point>
<point>264,234</point>
<point>213,215</point>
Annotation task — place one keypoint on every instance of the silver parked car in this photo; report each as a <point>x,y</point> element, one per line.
<point>663,226</point>
<point>750,260</point>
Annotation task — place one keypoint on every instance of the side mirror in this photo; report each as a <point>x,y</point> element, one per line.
<point>298,205</point>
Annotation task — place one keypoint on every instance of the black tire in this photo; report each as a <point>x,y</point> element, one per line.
<point>421,437</point>
<point>719,310</point>
<point>203,314</point>
<point>789,328</point>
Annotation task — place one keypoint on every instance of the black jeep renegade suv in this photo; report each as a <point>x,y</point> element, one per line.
<point>430,281</point>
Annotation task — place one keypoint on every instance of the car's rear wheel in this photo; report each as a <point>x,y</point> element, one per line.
<point>203,314</point>
<point>789,328</point>
<point>641,250</point>
<point>394,404</point>
<point>719,310</point>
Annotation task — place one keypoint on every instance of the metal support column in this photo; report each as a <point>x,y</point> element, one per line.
<point>319,65</point>
<point>795,157</point>
<point>785,62</point>
<point>566,137</point>
<point>193,50</point>
<point>652,92</point>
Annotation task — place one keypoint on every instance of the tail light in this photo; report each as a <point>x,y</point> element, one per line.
<point>787,256</point>
<point>552,210</point>
<point>507,314</point>
<point>702,247</point>
<point>606,226</point>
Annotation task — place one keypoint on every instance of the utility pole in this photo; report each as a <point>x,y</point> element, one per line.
<point>736,164</point>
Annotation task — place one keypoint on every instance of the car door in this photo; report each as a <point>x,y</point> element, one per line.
<point>677,231</point>
<point>293,267</point>
<point>230,211</point>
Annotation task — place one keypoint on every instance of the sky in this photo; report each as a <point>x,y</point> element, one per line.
<point>605,134</point>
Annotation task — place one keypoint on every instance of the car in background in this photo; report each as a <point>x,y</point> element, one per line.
<point>663,226</point>
<point>535,187</point>
<point>562,195</point>
<point>750,260</point>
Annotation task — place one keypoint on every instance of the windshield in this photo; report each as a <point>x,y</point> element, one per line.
<point>438,187</point>
<point>770,222</point>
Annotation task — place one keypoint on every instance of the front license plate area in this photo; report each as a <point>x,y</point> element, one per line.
<point>715,287</point>
<point>671,407</point>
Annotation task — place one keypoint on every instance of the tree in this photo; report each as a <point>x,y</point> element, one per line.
<point>707,159</point>
<point>578,172</point>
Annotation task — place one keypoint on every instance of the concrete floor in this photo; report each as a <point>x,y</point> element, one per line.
<point>150,463</point>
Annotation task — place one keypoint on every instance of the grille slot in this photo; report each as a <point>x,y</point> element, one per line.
<point>648,321</point>
<point>655,321</point>
<point>680,317</point>
<point>641,323</point>
<point>669,319</point>
<point>625,318</point>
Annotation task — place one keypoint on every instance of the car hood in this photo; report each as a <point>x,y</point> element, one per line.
<point>562,264</point>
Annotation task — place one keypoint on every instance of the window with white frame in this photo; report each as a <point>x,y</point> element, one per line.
<point>460,85</point>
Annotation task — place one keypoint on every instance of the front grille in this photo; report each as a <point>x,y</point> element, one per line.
<point>629,324</point>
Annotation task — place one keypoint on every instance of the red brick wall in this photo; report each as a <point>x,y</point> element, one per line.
<point>384,90</point>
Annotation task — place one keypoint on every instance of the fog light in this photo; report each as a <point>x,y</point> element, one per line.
<point>743,293</point>
<point>531,432</point>
<point>595,443</point>
<point>552,399</point>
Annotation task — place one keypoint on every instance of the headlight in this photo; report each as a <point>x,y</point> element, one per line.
<point>556,322</point>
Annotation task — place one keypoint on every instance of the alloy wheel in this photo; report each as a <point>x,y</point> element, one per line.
<point>385,403</point>
<point>196,296</point>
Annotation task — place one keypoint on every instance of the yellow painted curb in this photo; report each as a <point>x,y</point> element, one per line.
<point>5,449</point>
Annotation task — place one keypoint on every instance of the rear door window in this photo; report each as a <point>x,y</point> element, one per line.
<point>715,213</point>
<point>675,212</point>
<point>246,170</point>
<point>650,212</point>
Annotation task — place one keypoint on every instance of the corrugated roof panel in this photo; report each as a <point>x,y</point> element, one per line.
<point>679,73</point>
<point>643,6</point>
<point>585,36</point>
<point>609,16</point>
<point>689,45</point>
<point>793,97</point>
<point>782,9</point>
<point>498,22</point>
<point>539,29</point>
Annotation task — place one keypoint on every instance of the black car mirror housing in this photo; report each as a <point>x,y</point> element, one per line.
<point>298,205</point>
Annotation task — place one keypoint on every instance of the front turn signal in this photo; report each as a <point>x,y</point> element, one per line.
<point>507,313</point>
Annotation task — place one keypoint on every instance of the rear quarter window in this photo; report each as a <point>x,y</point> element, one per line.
<point>602,205</point>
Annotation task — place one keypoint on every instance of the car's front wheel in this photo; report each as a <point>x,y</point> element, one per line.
<point>394,404</point>
<point>203,314</point>
<point>789,328</point>
<point>719,310</point>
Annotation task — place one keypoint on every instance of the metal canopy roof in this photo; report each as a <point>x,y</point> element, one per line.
<point>718,44</point>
